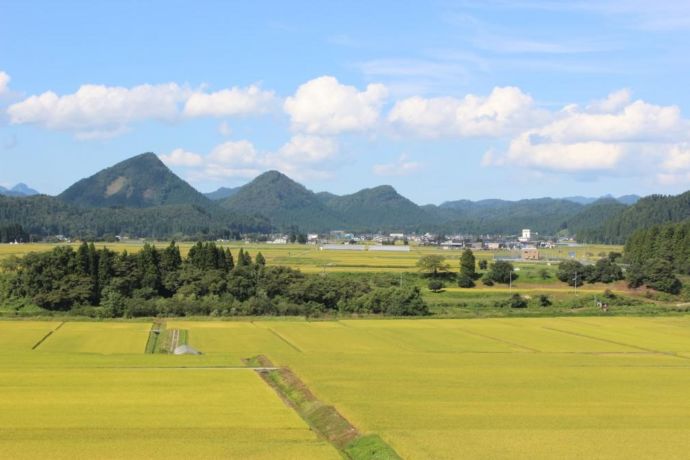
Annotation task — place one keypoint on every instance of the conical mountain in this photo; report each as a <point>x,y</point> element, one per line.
<point>378,208</point>
<point>139,182</point>
<point>285,202</point>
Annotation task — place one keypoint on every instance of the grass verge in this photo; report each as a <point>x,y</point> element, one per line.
<point>323,419</point>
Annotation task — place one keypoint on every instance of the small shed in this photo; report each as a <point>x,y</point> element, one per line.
<point>186,350</point>
<point>530,254</point>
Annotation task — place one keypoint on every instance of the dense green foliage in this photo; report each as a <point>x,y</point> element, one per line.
<point>589,222</point>
<point>656,254</point>
<point>287,203</point>
<point>647,212</point>
<point>432,265</point>
<point>379,208</point>
<point>605,270</point>
<point>208,281</point>
<point>44,216</point>
<point>543,215</point>
<point>500,272</point>
<point>13,232</point>
<point>468,271</point>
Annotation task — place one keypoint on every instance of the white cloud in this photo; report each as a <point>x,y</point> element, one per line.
<point>4,82</point>
<point>677,159</point>
<point>234,153</point>
<point>325,106</point>
<point>229,102</point>
<point>635,122</point>
<point>180,157</point>
<point>501,112</point>
<point>613,102</point>
<point>302,157</point>
<point>308,149</point>
<point>98,110</point>
<point>600,136</point>
<point>401,167</point>
<point>576,157</point>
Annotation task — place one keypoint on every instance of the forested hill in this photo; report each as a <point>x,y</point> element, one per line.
<point>382,206</point>
<point>138,182</point>
<point>42,216</point>
<point>590,221</point>
<point>542,215</point>
<point>291,205</point>
<point>142,197</point>
<point>285,202</point>
<point>221,193</point>
<point>647,212</point>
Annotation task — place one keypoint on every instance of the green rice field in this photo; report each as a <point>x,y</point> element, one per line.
<point>532,388</point>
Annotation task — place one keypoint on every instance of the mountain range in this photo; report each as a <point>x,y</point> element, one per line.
<point>141,196</point>
<point>20,189</point>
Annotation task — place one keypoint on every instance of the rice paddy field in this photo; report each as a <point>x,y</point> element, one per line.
<point>310,259</point>
<point>583,387</point>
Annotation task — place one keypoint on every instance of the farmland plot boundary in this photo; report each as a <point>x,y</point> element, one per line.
<point>323,419</point>
<point>45,337</point>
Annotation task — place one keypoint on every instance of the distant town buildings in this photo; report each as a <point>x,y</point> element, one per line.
<point>526,235</point>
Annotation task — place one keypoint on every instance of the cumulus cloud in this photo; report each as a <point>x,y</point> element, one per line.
<point>325,106</point>
<point>600,136</point>
<point>98,110</point>
<point>234,153</point>
<point>4,82</point>
<point>677,159</point>
<point>180,157</point>
<point>302,157</point>
<point>229,102</point>
<point>504,110</point>
<point>401,167</point>
<point>308,149</point>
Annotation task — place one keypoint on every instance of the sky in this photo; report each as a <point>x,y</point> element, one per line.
<point>443,100</point>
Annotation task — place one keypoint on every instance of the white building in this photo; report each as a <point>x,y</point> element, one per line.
<point>526,235</point>
<point>389,247</point>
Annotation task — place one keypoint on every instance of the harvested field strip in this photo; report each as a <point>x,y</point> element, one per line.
<point>43,339</point>
<point>325,420</point>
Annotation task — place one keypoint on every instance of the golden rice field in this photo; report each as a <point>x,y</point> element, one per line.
<point>586,387</point>
<point>310,259</point>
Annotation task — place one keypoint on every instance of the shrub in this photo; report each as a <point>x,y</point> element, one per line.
<point>464,281</point>
<point>436,285</point>
<point>517,301</point>
<point>544,300</point>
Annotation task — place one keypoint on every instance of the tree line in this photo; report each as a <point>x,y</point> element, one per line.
<point>657,254</point>
<point>210,280</point>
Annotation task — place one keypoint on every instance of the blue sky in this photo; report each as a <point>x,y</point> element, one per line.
<point>442,100</point>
